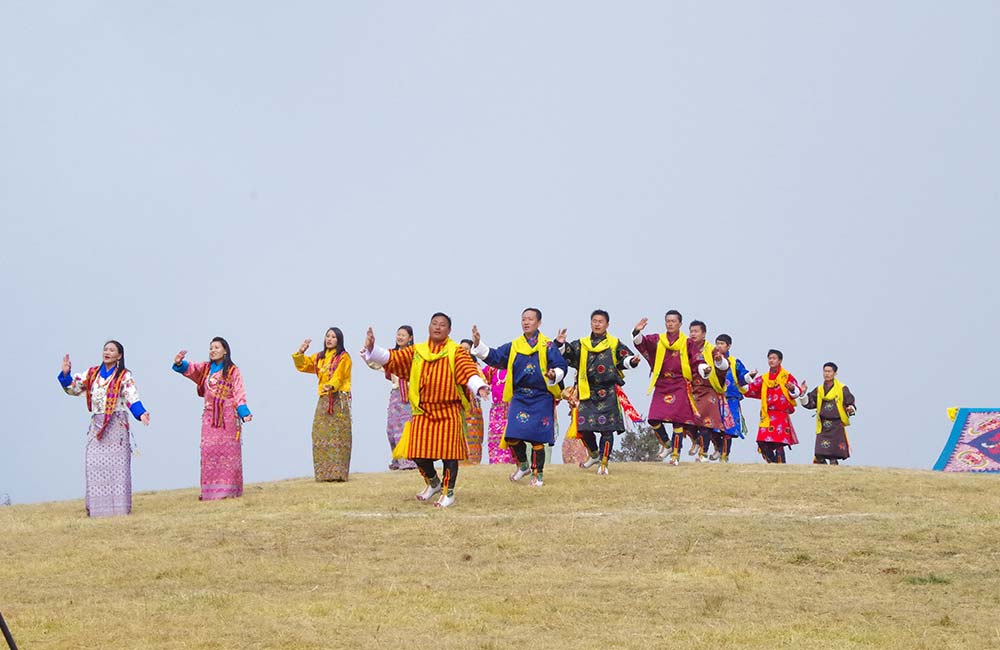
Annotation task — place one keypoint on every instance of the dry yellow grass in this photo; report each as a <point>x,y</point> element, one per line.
<point>738,556</point>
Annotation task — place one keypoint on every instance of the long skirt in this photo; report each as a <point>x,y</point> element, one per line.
<point>108,464</point>
<point>474,433</point>
<point>398,415</point>
<point>221,457</point>
<point>574,451</point>
<point>832,442</point>
<point>498,420</point>
<point>331,437</point>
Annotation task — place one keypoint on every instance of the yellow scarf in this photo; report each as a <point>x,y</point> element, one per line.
<point>520,346</point>
<point>422,353</point>
<point>768,383</point>
<point>586,348</point>
<point>736,377</point>
<point>837,395</point>
<point>680,345</point>
<point>713,378</point>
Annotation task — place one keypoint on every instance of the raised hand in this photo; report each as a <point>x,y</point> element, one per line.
<point>791,386</point>
<point>717,354</point>
<point>304,346</point>
<point>370,340</point>
<point>561,337</point>
<point>145,418</point>
<point>180,357</point>
<point>851,410</point>
<point>66,365</point>
<point>475,337</point>
<point>551,374</point>
<point>805,388</point>
<point>641,325</point>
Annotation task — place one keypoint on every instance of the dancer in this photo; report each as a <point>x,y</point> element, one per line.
<point>833,403</point>
<point>600,360</point>
<point>497,380</point>
<point>473,419</point>
<point>437,373</point>
<point>670,382</point>
<point>111,395</point>
<point>219,382</point>
<point>331,431</point>
<point>736,380</point>
<point>707,388</point>
<point>534,370</point>
<point>398,413</point>
<point>777,392</point>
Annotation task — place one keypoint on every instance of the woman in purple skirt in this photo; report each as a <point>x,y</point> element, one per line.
<point>111,395</point>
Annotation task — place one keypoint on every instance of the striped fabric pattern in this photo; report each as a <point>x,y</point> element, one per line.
<point>439,433</point>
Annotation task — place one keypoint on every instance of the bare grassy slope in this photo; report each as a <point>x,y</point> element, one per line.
<point>739,556</point>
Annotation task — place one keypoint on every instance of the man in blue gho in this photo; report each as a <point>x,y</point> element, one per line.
<point>736,380</point>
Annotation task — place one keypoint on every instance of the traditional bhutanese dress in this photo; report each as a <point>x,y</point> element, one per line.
<point>437,430</point>
<point>776,426</point>
<point>498,416</point>
<point>600,411</point>
<point>331,431</point>
<point>734,396</point>
<point>531,411</point>
<point>707,400</point>
<point>108,455</point>
<point>671,401</point>
<point>474,432</point>
<point>831,439</point>
<point>397,415</point>
<point>221,423</point>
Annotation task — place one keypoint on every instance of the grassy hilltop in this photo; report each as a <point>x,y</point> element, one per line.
<point>737,556</point>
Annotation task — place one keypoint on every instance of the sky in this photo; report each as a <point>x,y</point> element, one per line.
<point>815,177</point>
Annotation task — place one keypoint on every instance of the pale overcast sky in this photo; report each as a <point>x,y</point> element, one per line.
<point>817,177</point>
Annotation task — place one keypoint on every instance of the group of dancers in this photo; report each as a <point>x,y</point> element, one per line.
<point>434,412</point>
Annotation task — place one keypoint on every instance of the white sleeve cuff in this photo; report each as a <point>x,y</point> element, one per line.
<point>748,378</point>
<point>637,339</point>
<point>795,391</point>
<point>803,400</point>
<point>481,351</point>
<point>475,383</point>
<point>559,377</point>
<point>378,356</point>
<point>628,361</point>
<point>704,370</point>
<point>722,364</point>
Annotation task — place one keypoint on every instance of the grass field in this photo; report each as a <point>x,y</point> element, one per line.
<point>737,556</point>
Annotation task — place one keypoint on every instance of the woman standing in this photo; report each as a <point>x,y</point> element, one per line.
<point>399,403</point>
<point>331,432</point>
<point>473,420</point>
<point>220,383</point>
<point>111,394</point>
<point>497,378</point>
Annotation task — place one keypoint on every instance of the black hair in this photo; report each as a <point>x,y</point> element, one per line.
<point>725,338</point>
<point>409,330</point>
<point>227,361</point>
<point>781,357</point>
<point>701,324</point>
<point>830,364</point>
<point>674,312</point>
<point>469,341</point>
<point>120,367</point>
<point>538,312</point>
<point>442,315</point>
<point>600,312</point>
<point>340,342</point>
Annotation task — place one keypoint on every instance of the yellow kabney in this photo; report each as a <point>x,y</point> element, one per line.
<point>837,395</point>
<point>732,366</point>
<point>586,347</point>
<point>707,351</point>
<point>422,353</point>
<point>518,346</point>
<point>768,384</point>
<point>680,345</point>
